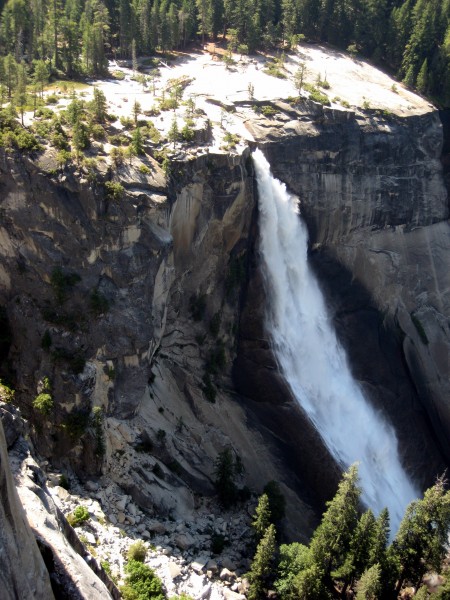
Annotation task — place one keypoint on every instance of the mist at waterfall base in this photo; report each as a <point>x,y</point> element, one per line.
<point>312,360</point>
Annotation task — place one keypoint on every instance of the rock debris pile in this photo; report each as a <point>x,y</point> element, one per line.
<point>205,558</point>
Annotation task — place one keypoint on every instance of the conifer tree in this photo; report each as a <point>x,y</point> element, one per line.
<point>261,518</point>
<point>99,106</point>
<point>422,538</point>
<point>369,586</point>
<point>137,142</point>
<point>40,76</point>
<point>422,77</point>
<point>332,539</point>
<point>20,94</point>
<point>261,570</point>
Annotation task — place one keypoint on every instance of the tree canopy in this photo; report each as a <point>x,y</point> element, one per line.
<point>410,37</point>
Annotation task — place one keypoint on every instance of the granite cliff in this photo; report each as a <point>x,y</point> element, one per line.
<point>143,318</point>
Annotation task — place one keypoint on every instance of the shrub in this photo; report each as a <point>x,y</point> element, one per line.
<point>141,583</point>
<point>231,139</point>
<point>268,111</point>
<point>114,190</point>
<point>63,157</point>
<point>273,69</point>
<point>168,104</point>
<point>42,128</point>
<point>43,403</point>
<point>137,551</point>
<point>119,140</point>
<point>218,543</point>
<point>44,113</point>
<point>127,122</point>
<point>62,282</point>
<point>117,156</point>
<point>59,141</point>
<point>160,435</point>
<point>79,516</point>
<point>97,424</point>
<point>64,482</point>
<point>187,133</point>
<point>6,393</point>
<point>76,422</point>
<point>77,363</point>
<point>98,303</point>
<point>119,75</point>
<point>52,99</point>
<point>316,95</point>
<point>144,169</point>
<point>98,133</point>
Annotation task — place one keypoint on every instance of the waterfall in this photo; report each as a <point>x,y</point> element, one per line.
<point>312,360</point>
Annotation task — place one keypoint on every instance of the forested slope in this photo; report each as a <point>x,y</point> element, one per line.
<point>409,37</point>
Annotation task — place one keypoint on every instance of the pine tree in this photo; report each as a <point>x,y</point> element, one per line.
<point>308,585</point>
<point>357,557</point>
<point>137,109</point>
<point>422,77</point>
<point>99,106</point>
<point>20,94</point>
<point>10,73</point>
<point>40,76</point>
<point>369,586</point>
<point>262,565</point>
<point>137,142</point>
<point>277,501</point>
<point>226,467</point>
<point>294,558</point>
<point>421,541</point>
<point>331,540</point>
<point>261,518</point>
<point>299,76</point>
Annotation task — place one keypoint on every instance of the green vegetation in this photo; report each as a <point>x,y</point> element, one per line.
<point>98,303</point>
<point>6,393</point>
<point>79,516</point>
<point>76,422</point>
<point>114,190</point>
<point>349,552</point>
<point>218,543</point>
<point>227,469</point>
<point>141,583</point>
<point>62,283</point>
<point>137,551</point>
<point>316,95</point>
<point>262,517</point>
<point>268,110</point>
<point>97,424</point>
<point>277,501</point>
<point>43,402</point>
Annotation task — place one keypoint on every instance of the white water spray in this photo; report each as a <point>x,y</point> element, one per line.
<point>312,360</point>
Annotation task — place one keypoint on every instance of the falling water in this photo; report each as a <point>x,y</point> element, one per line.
<point>312,360</point>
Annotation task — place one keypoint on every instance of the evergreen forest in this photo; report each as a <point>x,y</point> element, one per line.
<point>410,38</point>
<point>350,554</point>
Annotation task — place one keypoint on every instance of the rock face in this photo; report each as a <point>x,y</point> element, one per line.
<point>144,318</point>
<point>373,196</point>
<point>22,569</point>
